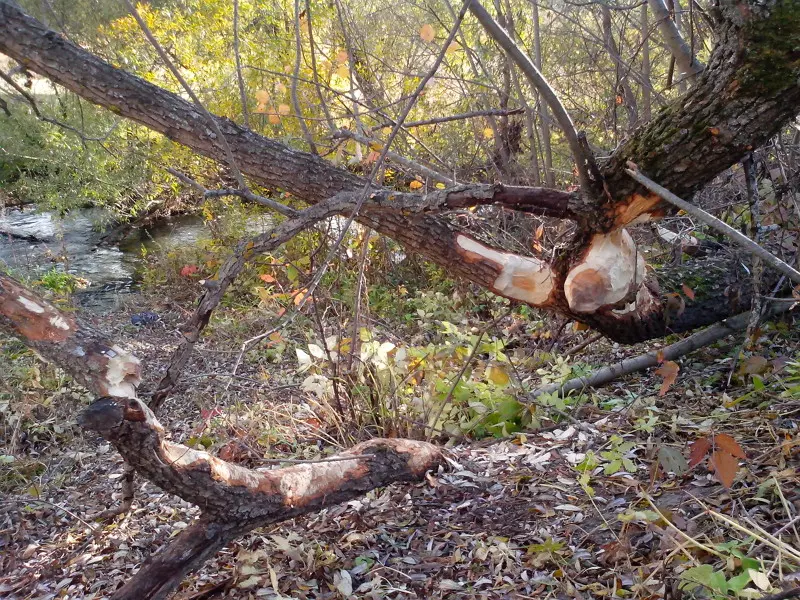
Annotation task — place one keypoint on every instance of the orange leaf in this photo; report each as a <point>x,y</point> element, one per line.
<point>283,109</point>
<point>700,448</point>
<point>540,231</point>
<point>274,119</point>
<point>188,270</point>
<point>725,467</point>
<point>266,278</point>
<point>727,444</point>
<point>578,326</point>
<point>415,185</point>
<point>689,292</point>
<point>427,33</point>
<point>669,371</point>
<point>660,356</point>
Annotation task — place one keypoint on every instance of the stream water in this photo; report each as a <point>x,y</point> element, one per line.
<point>110,270</point>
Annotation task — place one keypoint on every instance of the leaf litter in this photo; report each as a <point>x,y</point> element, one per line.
<point>533,515</point>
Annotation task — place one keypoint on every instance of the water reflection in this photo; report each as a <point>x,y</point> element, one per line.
<point>39,241</point>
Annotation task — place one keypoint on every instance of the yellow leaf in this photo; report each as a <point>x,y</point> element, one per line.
<point>262,96</point>
<point>427,33</point>
<point>274,119</point>
<point>284,109</point>
<point>497,375</point>
<point>488,133</point>
<point>388,130</point>
<point>341,56</point>
<point>440,186</point>
<point>343,72</point>
<point>452,48</point>
<point>377,146</point>
<point>415,185</point>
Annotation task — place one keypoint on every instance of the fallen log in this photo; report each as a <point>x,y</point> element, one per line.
<point>233,499</point>
<point>651,359</point>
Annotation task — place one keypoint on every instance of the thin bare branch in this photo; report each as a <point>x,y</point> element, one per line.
<point>237,174</point>
<point>736,237</point>
<point>492,112</point>
<point>238,60</point>
<point>538,81</point>
<point>394,156</point>
<point>694,342</point>
<point>298,53</point>
<point>684,57</point>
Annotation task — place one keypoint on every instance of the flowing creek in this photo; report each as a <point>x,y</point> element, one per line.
<point>38,239</point>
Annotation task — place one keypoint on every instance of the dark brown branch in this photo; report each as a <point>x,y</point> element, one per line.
<point>234,499</point>
<point>491,112</point>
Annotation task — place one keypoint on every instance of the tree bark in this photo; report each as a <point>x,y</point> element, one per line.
<point>747,92</point>
<point>233,499</point>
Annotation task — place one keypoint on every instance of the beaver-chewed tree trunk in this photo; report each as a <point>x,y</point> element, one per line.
<point>747,92</point>
<point>233,499</point>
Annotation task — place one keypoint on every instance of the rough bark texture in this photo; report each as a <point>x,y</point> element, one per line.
<point>62,339</point>
<point>748,90</point>
<point>228,493</point>
<point>233,499</point>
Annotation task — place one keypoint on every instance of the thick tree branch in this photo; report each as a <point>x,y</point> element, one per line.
<point>61,338</point>
<point>687,62</point>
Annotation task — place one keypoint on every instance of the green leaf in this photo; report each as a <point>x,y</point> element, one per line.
<point>672,460</point>
<point>738,583</point>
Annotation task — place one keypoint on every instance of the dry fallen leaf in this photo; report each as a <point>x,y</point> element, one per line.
<point>725,467</point>
<point>669,372</point>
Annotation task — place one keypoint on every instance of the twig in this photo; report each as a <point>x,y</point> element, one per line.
<point>295,100</point>
<point>713,222</point>
<point>578,347</point>
<point>491,112</point>
<point>401,160</point>
<point>246,194</point>
<point>460,374</point>
<point>238,61</point>
<point>212,121</point>
<point>315,74</point>
<point>538,81</point>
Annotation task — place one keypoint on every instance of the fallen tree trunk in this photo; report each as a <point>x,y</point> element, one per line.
<point>233,499</point>
<point>749,89</point>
